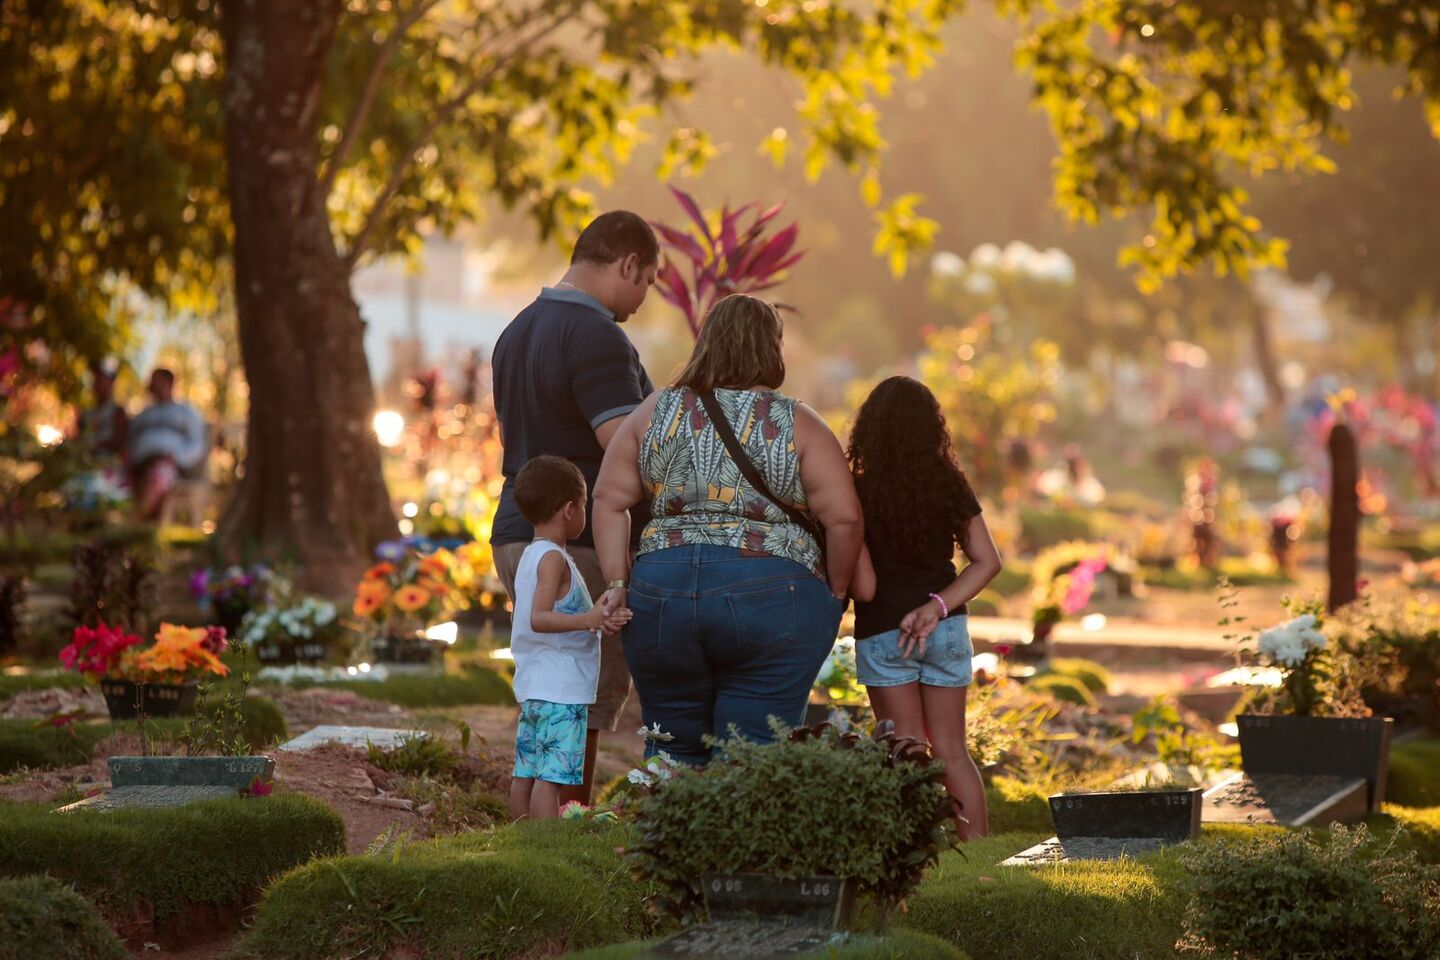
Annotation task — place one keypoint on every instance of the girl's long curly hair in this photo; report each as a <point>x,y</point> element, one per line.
<point>911,488</point>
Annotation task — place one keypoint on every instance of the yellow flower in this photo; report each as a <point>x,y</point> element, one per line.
<point>412,597</point>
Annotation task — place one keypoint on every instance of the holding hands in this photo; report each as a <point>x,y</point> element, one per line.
<point>612,611</point>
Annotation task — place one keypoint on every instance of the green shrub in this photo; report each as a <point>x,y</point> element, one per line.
<point>894,945</point>
<point>1080,911</point>
<point>1012,580</point>
<point>42,919</point>
<point>1062,688</point>
<point>531,888</point>
<point>1095,677</point>
<point>1042,527</point>
<point>216,852</point>
<point>1414,779</point>
<point>414,757</point>
<point>1408,828</point>
<point>805,805</point>
<point>1305,894</point>
<point>265,725</point>
<point>1017,807</point>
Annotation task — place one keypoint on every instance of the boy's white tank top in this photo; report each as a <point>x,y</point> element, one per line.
<point>556,667</point>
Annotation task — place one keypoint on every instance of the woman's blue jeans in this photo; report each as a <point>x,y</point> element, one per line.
<point>720,640</point>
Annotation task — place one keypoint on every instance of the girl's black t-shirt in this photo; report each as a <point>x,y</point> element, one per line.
<point>905,579</point>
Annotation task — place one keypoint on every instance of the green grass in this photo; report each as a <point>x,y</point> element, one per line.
<point>1414,779</point>
<point>1042,527</point>
<point>25,745</point>
<point>542,887</point>
<point>1017,807</point>
<point>1419,829</point>
<point>477,685</point>
<point>43,919</point>
<point>893,945</point>
<point>1238,570</point>
<point>1128,908</point>
<point>1013,578</point>
<point>218,852</point>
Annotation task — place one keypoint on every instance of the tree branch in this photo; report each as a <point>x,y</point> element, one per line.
<point>448,108</point>
<point>356,124</point>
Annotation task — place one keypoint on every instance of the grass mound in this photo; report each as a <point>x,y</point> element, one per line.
<point>1129,908</point>
<point>42,919</point>
<point>1414,779</point>
<point>531,888</point>
<point>1017,807</point>
<point>1095,678</point>
<point>471,686</point>
<point>1062,688</point>
<point>24,743</point>
<point>220,852</point>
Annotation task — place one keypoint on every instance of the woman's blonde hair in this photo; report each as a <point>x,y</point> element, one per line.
<point>740,346</point>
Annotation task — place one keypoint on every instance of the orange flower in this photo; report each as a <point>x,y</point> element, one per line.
<point>435,565</point>
<point>436,587</point>
<point>380,571</point>
<point>366,605</point>
<point>378,590</point>
<point>180,650</point>
<point>411,598</point>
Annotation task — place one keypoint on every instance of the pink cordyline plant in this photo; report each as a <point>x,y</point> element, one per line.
<point>1080,585</point>
<point>736,257</point>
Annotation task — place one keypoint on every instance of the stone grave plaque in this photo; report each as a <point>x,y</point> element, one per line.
<point>174,781</point>
<point>809,901</point>
<point>1287,799</point>
<point>755,939</point>
<point>1107,826</point>
<point>1343,747</point>
<point>382,737</point>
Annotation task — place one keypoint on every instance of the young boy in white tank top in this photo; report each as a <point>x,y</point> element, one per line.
<point>555,640</point>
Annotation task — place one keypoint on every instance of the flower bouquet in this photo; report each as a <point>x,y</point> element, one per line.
<point>1058,595</point>
<point>306,630</point>
<point>405,593</point>
<point>158,680</point>
<point>1315,722</point>
<point>233,592</point>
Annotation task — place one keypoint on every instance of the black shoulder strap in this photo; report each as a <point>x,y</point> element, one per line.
<point>726,433</point>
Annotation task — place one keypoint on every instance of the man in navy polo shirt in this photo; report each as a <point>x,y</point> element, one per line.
<point>565,377</point>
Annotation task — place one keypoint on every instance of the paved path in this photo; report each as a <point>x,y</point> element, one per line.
<point>1206,641</point>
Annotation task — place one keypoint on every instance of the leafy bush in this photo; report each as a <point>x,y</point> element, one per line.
<point>534,889</point>
<point>1414,779</point>
<point>42,919</point>
<point>1396,645</point>
<point>1095,677</point>
<point>414,757</point>
<point>217,852</point>
<point>826,804</point>
<point>1062,688</point>
<point>1302,894</point>
<point>1045,527</point>
<point>12,598</point>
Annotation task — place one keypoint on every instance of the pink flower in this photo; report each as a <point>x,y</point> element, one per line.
<point>1003,650</point>
<point>96,650</point>
<point>214,640</point>
<point>257,788</point>
<point>1081,584</point>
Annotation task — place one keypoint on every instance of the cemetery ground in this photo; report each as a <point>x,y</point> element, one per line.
<point>402,849</point>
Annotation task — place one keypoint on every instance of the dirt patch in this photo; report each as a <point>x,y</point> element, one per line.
<point>305,709</point>
<point>195,925</point>
<point>341,777</point>
<point>39,704</point>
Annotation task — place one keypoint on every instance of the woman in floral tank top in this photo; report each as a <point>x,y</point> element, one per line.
<point>735,603</point>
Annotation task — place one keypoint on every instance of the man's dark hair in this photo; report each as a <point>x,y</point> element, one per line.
<point>544,485</point>
<point>165,374</point>
<point>614,236</point>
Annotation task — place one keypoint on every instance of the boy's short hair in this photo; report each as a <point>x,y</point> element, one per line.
<point>544,485</point>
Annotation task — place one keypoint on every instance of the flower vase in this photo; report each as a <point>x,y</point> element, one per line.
<point>126,699</point>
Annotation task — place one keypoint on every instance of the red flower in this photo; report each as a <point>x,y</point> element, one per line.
<point>257,788</point>
<point>1003,650</point>
<point>214,640</point>
<point>96,650</point>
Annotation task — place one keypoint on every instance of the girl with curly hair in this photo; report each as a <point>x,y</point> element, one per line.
<point>912,646</point>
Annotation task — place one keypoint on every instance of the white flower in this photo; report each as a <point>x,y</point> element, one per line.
<point>639,777</point>
<point>1290,642</point>
<point>947,264</point>
<point>654,733</point>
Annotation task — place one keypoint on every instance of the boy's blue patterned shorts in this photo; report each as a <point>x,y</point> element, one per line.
<point>550,742</point>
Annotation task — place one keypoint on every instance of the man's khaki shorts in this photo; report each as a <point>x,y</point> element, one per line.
<point>614,688</point>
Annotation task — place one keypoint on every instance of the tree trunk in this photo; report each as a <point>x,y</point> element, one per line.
<point>312,488</point>
<point>1344,561</point>
<point>1265,360</point>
